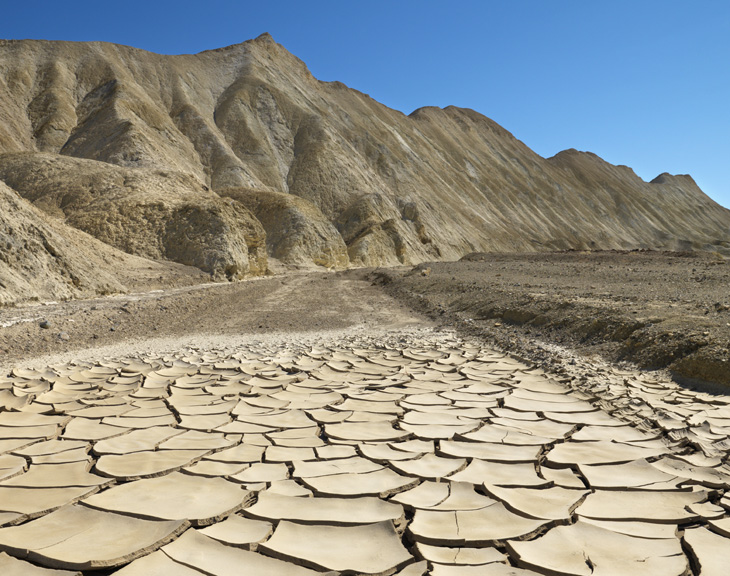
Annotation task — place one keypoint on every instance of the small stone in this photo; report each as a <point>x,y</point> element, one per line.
<point>45,324</point>
<point>64,336</point>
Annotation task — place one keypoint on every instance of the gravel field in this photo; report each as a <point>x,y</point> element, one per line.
<point>659,311</point>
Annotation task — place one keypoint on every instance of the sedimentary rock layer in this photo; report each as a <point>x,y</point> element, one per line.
<point>191,157</point>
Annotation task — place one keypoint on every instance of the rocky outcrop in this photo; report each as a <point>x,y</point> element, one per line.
<point>296,231</point>
<point>43,259</point>
<point>157,215</point>
<point>192,157</point>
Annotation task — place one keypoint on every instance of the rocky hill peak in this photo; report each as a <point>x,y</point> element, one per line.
<point>243,144</point>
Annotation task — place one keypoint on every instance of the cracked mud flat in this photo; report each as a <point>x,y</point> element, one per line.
<point>409,451</point>
<point>361,440</point>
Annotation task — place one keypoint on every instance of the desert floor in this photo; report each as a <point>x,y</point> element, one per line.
<point>501,415</point>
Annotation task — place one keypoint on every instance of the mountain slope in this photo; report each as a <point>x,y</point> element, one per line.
<point>43,259</point>
<point>332,176</point>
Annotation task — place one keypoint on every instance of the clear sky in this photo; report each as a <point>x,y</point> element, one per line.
<point>644,83</point>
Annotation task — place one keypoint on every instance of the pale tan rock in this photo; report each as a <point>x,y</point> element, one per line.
<point>380,483</point>
<point>195,550</point>
<point>638,474</point>
<point>142,211</point>
<point>331,511</point>
<point>69,475</point>
<point>30,432</point>
<point>480,527</point>
<point>425,495</point>
<point>459,556</point>
<point>614,433</point>
<point>599,452</point>
<point>175,496</point>
<point>552,503</point>
<point>500,474</point>
<point>296,231</point>
<point>196,440</point>
<point>136,440</point>
<point>241,532</point>
<point>156,564</point>
<point>491,569</point>
<point>288,488</point>
<point>33,502</point>
<point>65,457</point>
<point>80,538</point>
<point>644,505</point>
<point>365,432</point>
<point>564,477</point>
<point>488,451</point>
<point>147,463</point>
<point>10,566</point>
<point>353,465</point>
<point>712,477</point>
<point>439,432</point>
<point>638,529</point>
<point>429,466</point>
<point>462,496</point>
<point>90,429</point>
<point>378,549</point>
<point>500,435</point>
<point>259,472</point>
<point>72,263</point>
<point>11,465</point>
<point>584,550</point>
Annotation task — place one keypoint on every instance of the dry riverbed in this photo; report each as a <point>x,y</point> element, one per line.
<point>657,310</point>
<point>219,426</point>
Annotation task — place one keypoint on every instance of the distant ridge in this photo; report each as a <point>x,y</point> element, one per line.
<point>224,159</point>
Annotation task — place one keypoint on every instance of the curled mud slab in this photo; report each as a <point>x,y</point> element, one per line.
<point>403,452</point>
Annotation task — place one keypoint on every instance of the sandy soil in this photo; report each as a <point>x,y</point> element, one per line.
<point>657,310</point>
<point>660,311</point>
<point>208,315</point>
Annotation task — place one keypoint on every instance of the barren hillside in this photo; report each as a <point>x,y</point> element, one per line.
<point>205,159</point>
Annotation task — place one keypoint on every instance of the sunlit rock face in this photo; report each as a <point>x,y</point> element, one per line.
<point>214,159</point>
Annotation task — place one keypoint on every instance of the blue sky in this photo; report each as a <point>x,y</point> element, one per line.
<point>644,83</point>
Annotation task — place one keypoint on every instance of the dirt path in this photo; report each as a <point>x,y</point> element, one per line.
<point>295,303</point>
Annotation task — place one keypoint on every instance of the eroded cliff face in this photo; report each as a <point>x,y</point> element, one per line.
<point>149,213</point>
<point>41,258</point>
<point>216,158</point>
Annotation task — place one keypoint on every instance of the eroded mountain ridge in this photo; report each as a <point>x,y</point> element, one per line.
<point>224,159</point>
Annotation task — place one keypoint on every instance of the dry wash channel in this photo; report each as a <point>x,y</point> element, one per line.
<point>410,453</point>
